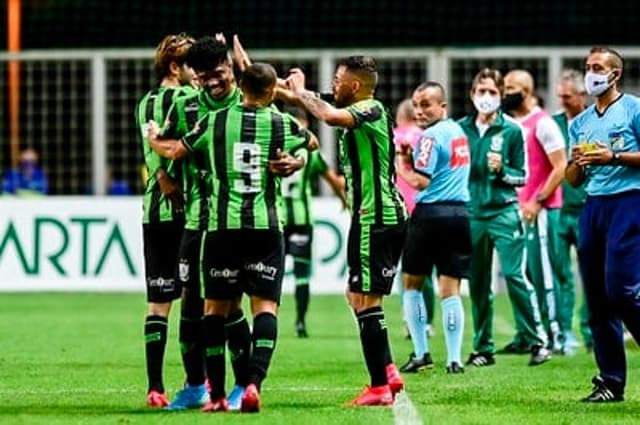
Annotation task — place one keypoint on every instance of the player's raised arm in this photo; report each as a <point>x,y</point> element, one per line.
<point>317,107</point>
<point>240,55</point>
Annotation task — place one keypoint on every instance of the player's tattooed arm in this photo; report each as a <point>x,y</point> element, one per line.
<point>317,107</point>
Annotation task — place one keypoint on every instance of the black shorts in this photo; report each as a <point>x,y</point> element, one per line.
<point>298,240</point>
<point>243,261</point>
<point>438,235</point>
<point>189,264</point>
<point>161,244</point>
<point>373,252</point>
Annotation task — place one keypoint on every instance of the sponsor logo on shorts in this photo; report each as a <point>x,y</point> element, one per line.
<point>265,271</point>
<point>161,282</point>
<point>224,273</point>
<point>389,272</point>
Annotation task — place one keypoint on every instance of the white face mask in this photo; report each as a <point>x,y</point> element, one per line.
<point>486,104</point>
<point>596,84</point>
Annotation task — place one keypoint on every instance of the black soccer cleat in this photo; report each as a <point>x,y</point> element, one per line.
<point>455,367</point>
<point>603,392</point>
<point>481,359</point>
<point>301,330</point>
<point>415,365</point>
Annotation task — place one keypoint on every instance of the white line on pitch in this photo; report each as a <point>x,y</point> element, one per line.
<point>404,411</point>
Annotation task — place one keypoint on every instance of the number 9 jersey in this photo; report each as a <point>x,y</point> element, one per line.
<point>239,142</point>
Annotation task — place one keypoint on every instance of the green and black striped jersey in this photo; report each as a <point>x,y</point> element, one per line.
<point>183,116</point>
<point>367,158</point>
<point>155,106</point>
<point>240,141</point>
<point>296,189</point>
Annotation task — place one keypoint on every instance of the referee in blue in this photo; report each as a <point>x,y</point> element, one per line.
<point>439,170</point>
<point>605,156</point>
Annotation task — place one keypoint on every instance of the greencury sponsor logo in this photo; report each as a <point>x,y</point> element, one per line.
<point>34,253</point>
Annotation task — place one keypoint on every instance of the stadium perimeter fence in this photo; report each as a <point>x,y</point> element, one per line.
<point>77,106</point>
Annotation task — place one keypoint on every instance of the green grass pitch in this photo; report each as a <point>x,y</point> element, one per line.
<point>79,359</point>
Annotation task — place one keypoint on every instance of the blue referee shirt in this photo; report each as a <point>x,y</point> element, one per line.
<point>618,128</point>
<point>442,154</point>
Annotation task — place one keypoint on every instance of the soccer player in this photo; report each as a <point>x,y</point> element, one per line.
<point>540,201</point>
<point>438,233</point>
<point>298,220</point>
<point>213,67</point>
<point>605,156</point>
<point>572,96</point>
<point>163,216</point>
<point>377,228</point>
<point>498,168</point>
<point>244,244</point>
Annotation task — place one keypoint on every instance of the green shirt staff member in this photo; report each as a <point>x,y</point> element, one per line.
<point>498,167</point>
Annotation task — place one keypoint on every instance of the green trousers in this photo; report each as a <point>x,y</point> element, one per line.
<point>568,237</point>
<point>505,233</point>
<point>543,269</point>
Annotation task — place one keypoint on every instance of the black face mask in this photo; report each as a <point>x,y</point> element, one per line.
<point>511,102</point>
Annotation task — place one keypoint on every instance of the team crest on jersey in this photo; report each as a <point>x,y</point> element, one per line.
<point>183,271</point>
<point>459,152</point>
<point>617,142</point>
<point>425,146</point>
<point>496,143</point>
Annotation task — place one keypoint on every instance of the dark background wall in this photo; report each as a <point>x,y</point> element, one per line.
<point>329,23</point>
<point>55,104</point>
